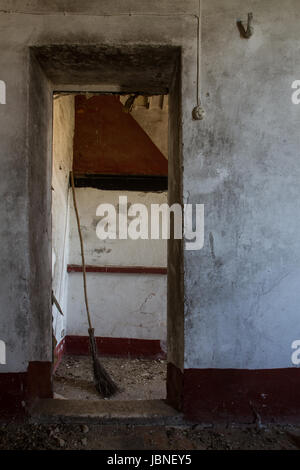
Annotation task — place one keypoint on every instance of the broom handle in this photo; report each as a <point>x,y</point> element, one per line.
<point>82,253</point>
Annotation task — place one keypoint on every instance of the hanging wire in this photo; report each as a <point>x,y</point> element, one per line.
<point>198,112</point>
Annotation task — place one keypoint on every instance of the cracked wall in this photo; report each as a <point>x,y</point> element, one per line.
<point>124,305</point>
<point>241,162</point>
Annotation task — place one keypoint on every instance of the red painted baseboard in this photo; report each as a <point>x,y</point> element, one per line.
<point>174,386</point>
<point>118,347</point>
<point>39,380</point>
<point>203,395</point>
<point>235,395</point>
<point>13,388</point>
<point>222,393</point>
<point>19,389</point>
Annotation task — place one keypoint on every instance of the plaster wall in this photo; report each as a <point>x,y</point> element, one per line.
<point>241,290</point>
<point>122,305</point>
<point>63,132</point>
<point>113,252</point>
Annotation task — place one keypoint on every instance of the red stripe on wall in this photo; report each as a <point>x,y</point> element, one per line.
<point>118,347</point>
<point>236,395</point>
<point>18,390</point>
<point>174,386</point>
<point>204,395</point>
<point>13,387</point>
<point>75,268</point>
<point>98,121</point>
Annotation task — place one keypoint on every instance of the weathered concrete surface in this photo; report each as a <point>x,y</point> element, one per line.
<point>105,7</point>
<point>39,160</point>
<point>14,234</point>
<point>25,307</point>
<point>242,290</point>
<point>136,411</point>
<point>175,309</point>
<point>143,69</point>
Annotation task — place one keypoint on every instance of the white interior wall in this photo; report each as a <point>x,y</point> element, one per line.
<point>63,131</point>
<point>113,252</point>
<point>122,305</point>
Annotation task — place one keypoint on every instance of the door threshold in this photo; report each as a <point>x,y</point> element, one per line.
<point>104,412</point>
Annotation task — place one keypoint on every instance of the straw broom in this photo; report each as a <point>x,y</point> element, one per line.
<point>103,382</point>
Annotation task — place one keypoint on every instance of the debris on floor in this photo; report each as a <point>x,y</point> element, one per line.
<point>138,379</point>
<point>132,437</point>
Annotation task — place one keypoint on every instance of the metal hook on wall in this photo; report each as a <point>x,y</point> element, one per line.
<point>246,32</point>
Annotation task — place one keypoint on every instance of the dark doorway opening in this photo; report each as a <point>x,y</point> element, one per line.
<point>115,153</point>
<point>148,70</point>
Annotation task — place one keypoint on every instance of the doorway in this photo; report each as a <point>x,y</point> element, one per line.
<point>117,147</point>
<point>145,71</point>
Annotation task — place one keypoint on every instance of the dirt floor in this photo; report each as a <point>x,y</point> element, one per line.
<point>106,437</point>
<point>138,379</point>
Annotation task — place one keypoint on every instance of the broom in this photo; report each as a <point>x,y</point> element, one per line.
<point>103,382</point>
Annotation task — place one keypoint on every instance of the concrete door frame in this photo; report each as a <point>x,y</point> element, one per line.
<point>146,69</point>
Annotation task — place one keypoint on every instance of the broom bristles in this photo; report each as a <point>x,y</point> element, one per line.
<point>103,382</point>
